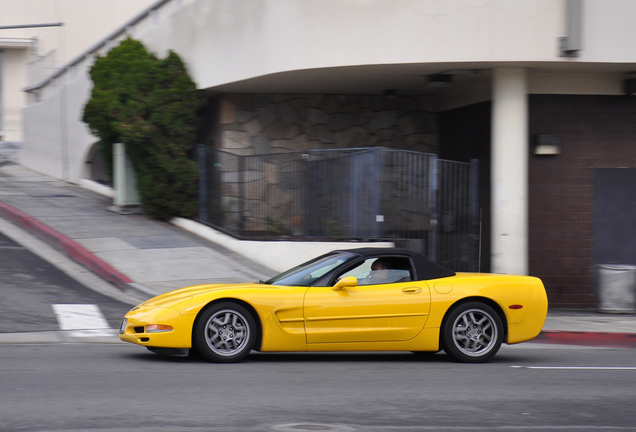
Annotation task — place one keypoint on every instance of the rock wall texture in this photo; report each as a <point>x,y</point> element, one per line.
<point>272,123</point>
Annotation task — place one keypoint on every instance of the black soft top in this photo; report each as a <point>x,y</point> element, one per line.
<point>424,269</point>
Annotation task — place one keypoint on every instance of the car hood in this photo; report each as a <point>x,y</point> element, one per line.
<point>173,298</point>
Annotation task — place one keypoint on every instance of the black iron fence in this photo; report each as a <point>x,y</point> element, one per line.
<point>411,198</point>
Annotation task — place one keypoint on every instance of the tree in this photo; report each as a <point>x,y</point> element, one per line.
<point>152,106</point>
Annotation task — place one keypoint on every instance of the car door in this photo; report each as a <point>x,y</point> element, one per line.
<point>374,312</point>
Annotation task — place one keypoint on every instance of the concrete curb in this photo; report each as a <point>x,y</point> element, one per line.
<point>67,246</point>
<point>586,338</point>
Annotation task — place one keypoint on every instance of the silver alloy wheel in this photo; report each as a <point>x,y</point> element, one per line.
<point>475,332</point>
<point>227,332</point>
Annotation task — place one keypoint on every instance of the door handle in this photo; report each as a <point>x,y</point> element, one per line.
<point>412,290</point>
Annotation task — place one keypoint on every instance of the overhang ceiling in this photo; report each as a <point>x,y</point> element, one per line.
<point>403,78</point>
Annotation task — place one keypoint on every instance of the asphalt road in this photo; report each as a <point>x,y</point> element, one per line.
<point>116,387</point>
<point>30,286</point>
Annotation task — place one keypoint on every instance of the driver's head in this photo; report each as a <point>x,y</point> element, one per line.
<point>379,269</point>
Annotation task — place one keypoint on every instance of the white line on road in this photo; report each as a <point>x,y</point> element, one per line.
<point>82,320</point>
<point>577,367</point>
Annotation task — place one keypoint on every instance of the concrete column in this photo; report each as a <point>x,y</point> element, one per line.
<point>510,171</point>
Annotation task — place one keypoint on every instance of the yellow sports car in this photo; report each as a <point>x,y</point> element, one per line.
<point>370,299</point>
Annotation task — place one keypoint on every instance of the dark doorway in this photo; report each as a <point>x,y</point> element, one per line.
<point>614,216</point>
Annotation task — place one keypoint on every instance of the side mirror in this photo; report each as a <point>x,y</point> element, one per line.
<point>349,281</point>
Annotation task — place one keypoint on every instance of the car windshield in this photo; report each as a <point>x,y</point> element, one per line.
<point>306,273</point>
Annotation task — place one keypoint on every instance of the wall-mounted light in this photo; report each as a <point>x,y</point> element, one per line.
<point>547,144</point>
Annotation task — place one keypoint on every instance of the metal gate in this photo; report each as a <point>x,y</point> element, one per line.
<point>413,199</point>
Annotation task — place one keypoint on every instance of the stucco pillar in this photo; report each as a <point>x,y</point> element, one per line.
<point>509,171</point>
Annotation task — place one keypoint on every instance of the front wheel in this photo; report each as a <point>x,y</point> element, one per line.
<point>225,333</point>
<point>472,333</point>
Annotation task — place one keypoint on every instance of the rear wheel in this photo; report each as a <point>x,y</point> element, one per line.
<point>472,333</point>
<point>225,332</point>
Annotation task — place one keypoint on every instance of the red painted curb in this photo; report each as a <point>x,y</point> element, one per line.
<point>71,248</point>
<point>596,339</point>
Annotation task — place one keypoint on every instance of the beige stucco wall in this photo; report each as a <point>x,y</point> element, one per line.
<point>84,23</point>
<point>57,142</point>
<point>13,79</point>
<point>241,39</point>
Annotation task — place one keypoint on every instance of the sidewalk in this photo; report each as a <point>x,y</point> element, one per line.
<point>137,252</point>
<point>152,255</point>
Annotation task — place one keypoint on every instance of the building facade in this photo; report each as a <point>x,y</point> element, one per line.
<point>540,89</point>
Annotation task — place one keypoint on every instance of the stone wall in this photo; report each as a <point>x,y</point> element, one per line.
<point>271,123</point>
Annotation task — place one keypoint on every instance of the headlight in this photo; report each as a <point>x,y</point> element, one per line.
<point>122,326</point>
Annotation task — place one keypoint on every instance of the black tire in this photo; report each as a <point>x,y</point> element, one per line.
<point>472,333</point>
<point>224,333</point>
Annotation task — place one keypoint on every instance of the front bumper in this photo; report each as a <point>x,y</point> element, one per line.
<point>133,328</point>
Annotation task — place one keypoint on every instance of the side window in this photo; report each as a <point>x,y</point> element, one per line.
<point>376,271</point>
<point>361,271</point>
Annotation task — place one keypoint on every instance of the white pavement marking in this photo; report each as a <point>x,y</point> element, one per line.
<point>577,367</point>
<point>82,320</point>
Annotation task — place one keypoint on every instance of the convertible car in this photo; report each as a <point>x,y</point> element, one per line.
<point>369,299</point>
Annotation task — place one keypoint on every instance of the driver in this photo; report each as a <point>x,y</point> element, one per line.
<point>379,273</point>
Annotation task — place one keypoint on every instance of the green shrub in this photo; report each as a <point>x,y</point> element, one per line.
<point>151,105</point>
